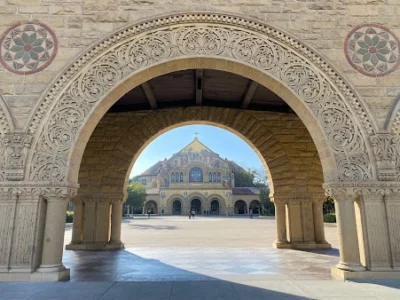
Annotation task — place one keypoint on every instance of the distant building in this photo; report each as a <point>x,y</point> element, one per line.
<point>197,178</point>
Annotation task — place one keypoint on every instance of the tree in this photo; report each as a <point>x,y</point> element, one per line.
<point>136,195</point>
<point>244,178</point>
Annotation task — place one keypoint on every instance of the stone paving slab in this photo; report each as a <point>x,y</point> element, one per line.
<point>246,289</point>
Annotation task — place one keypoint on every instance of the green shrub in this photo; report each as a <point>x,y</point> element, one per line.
<point>69,216</point>
<point>330,218</point>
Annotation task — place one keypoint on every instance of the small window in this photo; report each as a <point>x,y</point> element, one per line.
<point>219,177</point>
<point>214,177</point>
<point>210,177</point>
<point>173,177</point>
<point>144,181</point>
<point>181,177</point>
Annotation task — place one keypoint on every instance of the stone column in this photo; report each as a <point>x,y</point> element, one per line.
<point>116,220</point>
<point>392,201</point>
<point>375,226</point>
<point>307,218</point>
<point>280,217</point>
<point>77,228</point>
<point>319,221</point>
<point>347,232</point>
<point>54,229</point>
<point>294,221</point>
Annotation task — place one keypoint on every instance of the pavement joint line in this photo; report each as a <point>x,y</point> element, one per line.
<point>107,290</point>
<point>170,292</point>
<point>300,290</point>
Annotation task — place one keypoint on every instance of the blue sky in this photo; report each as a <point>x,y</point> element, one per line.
<point>221,141</point>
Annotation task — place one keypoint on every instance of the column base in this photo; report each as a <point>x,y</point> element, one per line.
<point>342,274</point>
<point>95,246</point>
<point>301,246</point>
<point>280,245</point>
<point>59,275</point>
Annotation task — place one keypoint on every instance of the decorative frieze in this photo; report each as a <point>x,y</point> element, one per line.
<point>70,102</point>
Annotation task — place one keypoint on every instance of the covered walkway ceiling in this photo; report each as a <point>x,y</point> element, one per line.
<point>200,87</point>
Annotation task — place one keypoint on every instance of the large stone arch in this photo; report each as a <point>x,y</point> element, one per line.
<point>67,114</point>
<point>107,169</point>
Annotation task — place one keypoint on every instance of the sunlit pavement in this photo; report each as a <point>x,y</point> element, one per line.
<point>201,258</point>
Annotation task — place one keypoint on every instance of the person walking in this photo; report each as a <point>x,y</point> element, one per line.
<point>190,214</point>
<point>251,213</point>
<point>193,212</point>
<point>149,213</point>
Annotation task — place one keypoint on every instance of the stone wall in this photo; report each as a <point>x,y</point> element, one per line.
<point>77,24</point>
<point>281,139</point>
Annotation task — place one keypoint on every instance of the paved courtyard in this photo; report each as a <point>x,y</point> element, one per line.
<point>203,258</point>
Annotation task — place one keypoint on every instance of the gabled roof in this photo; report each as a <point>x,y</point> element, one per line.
<point>246,191</point>
<point>195,146</point>
<point>152,171</point>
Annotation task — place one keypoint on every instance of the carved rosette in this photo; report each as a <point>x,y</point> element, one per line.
<point>14,149</point>
<point>265,52</point>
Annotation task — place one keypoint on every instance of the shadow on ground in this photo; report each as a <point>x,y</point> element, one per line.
<point>124,275</point>
<point>154,227</point>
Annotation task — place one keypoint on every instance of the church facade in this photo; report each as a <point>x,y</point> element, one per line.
<point>197,178</point>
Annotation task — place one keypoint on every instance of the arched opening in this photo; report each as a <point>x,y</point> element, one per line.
<point>151,206</point>
<point>240,207</point>
<point>195,205</point>
<point>256,207</point>
<point>177,207</point>
<point>302,88</point>
<point>215,207</point>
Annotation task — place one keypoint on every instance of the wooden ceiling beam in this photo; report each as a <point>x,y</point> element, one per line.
<point>148,91</point>
<point>199,86</point>
<point>251,89</point>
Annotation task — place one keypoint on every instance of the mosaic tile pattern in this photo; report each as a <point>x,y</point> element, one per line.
<point>27,48</point>
<point>372,50</point>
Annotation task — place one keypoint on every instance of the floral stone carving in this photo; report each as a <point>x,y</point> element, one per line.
<point>272,53</point>
<point>27,48</point>
<point>372,50</point>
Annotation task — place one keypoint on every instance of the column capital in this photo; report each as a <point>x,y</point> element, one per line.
<point>115,198</point>
<point>297,198</point>
<point>385,146</point>
<point>353,190</point>
<point>16,146</point>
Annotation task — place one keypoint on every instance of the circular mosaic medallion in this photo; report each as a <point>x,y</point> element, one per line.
<point>372,49</point>
<point>27,48</point>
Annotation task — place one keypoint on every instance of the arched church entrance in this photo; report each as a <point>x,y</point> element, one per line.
<point>151,206</point>
<point>177,207</point>
<point>240,207</point>
<point>306,94</point>
<point>255,206</point>
<point>215,207</point>
<point>195,205</point>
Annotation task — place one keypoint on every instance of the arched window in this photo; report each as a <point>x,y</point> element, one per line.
<point>196,175</point>
<point>214,177</point>
<point>219,177</point>
<point>210,177</point>
<point>173,177</point>
<point>181,177</point>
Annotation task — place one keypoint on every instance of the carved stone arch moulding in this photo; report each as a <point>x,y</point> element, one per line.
<point>67,105</point>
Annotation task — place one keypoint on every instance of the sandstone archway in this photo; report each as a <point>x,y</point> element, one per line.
<point>336,120</point>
